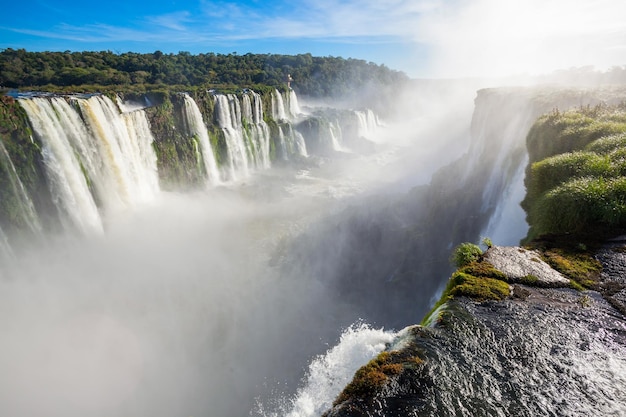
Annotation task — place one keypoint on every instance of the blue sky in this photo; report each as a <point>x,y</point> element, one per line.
<point>424,38</point>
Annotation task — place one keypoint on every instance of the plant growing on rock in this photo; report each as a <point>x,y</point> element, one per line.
<point>466,253</point>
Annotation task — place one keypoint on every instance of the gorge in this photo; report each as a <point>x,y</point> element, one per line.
<point>192,255</point>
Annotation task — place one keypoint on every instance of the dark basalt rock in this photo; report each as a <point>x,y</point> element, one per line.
<point>541,352</point>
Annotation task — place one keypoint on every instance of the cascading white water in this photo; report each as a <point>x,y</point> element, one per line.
<point>282,145</point>
<point>94,156</point>
<point>278,106</point>
<point>5,248</point>
<point>69,188</point>
<point>367,122</point>
<point>292,141</point>
<point>258,134</point>
<point>198,128</point>
<point>228,117</point>
<point>294,107</point>
<point>141,140</point>
<point>26,207</point>
<point>125,151</point>
<point>328,374</point>
<point>300,143</point>
<point>334,133</point>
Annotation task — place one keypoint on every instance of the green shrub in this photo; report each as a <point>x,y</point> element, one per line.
<point>560,132</point>
<point>579,205</point>
<point>554,171</point>
<point>607,144</point>
<point>465,253</point>
<point>576,182</point>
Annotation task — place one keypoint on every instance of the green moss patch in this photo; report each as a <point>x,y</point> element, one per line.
<point>483,269</point>
<point>479,288</point>
<point>478,280</point>
<point>371,378</point>
<point>580,267</point>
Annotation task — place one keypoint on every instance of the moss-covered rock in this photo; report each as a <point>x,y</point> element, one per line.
<point>478,288</point>
<point>20,166</point>
<point>377,376</point>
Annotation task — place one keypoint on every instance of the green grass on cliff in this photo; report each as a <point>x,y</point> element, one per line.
<point>476,279</point>
<point>577,180</point>
<point>559,132</point>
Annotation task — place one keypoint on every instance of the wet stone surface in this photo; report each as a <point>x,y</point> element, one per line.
<point>544,351</point>
<point>519,264</point>
<point>557,353</point>
<point>613,277</point>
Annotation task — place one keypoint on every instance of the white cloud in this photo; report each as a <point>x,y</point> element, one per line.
<point>175,21</point>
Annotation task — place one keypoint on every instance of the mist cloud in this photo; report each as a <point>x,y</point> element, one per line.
<point>490,37</point>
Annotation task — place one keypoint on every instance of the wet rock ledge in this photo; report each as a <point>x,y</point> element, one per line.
<point>511,336</point>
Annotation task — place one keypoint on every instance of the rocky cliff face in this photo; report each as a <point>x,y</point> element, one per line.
<point>540,352</point>
<point>549,347</point>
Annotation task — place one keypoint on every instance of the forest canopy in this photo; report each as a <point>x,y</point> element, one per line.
<point>312,76</point>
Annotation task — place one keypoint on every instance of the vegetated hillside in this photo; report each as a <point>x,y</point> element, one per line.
<point>312,76</point>
<point>576,183</point>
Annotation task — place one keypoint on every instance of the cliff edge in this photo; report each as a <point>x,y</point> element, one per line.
<point>543,349</point>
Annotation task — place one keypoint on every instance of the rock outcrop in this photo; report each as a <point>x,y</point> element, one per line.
<point>525,266</point>
<point>552,351</point>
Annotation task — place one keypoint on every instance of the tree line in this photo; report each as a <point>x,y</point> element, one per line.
<point>312,76</point>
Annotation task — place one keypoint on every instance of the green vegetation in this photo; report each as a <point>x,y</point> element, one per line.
<point>371,378</point>
<point>581,267</point>
<point>560,132</point>
<point>478,288</point>
<point>576,182</point>
<point>487,242</point>
<point>465,253</point>
<point>24,152</point>
<point>478,280</point>
<point>482,269</point>
<point>105,70</point>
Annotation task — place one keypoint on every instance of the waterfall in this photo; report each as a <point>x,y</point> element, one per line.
<point>334,133</point>
<point>5,248</point>
<point>228,117</point>
<point>294,107</point>
<point>282,145</point>
<point>257,134</point>
<point>300,143</point>
<point>278,106</point>
<point>367,122</point>
<point>198,129</point>
<point>143,154</point>
<point>26,207</point>
<point>292,141</point>
<point>125,152</point>
<point>94,155</point>
<point>69,187</point>
<point>329,373</point>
